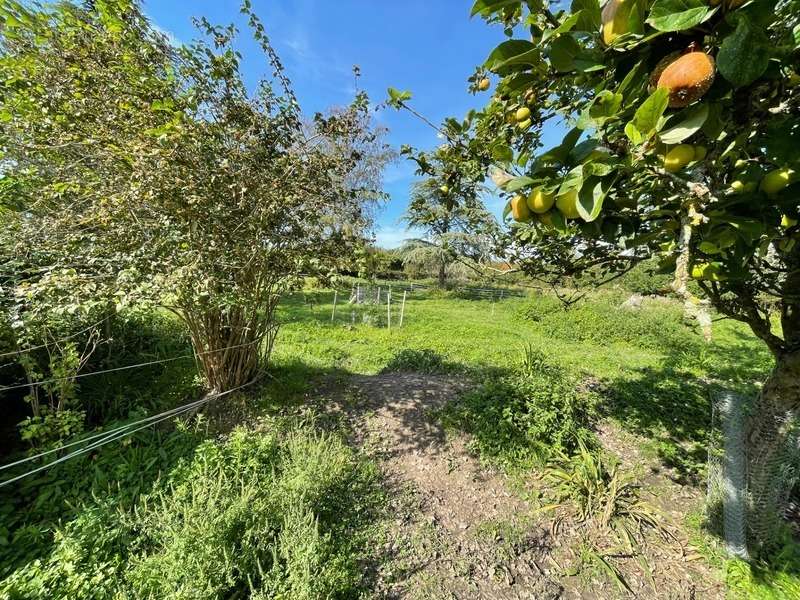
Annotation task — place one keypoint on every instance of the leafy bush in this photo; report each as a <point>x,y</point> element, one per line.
<point>266,514</point>
<point>526,416</point>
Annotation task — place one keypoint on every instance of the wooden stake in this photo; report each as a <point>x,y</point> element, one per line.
<point>333,312</point>
<point>389,309</point>
<point>403,308</point>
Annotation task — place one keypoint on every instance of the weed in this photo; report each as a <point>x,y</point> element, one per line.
<point>269,513</point>
<point>601,494</point>
<point>602,320</point>
<point>418,361</point>
<point>526,418</point>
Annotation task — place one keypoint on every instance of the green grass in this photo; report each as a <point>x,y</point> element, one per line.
<point>649,370</point>
<point>145,515</point>
<point>654,368</point>
<point>283,511</point>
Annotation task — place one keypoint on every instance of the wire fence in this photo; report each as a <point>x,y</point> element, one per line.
<point>95,441</point>
<point>375,304</point>
<point>384,305</point>
<point>737,510</point>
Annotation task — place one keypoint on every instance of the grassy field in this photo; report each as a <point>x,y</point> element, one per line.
<point>125,519</point>
<point>658,371</point>
<point>655,374</point>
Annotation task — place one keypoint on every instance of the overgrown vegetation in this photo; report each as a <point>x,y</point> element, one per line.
<point>281,511</point>
<point>526,417</point>
<point>536,392</point>
<point>158,207</point>
<point>607,320</point>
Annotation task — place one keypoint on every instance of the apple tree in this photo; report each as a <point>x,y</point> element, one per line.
<point>683,123</point>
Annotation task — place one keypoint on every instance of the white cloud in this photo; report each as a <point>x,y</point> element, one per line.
<point>393,237</point>
<point>172,39</point>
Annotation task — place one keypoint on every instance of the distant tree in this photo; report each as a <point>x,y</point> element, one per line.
<point>454,222</point>
<point>140,172</point>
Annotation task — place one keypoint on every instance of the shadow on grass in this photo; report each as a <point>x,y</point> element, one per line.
<point>119,472</point>
<point>671,406</point>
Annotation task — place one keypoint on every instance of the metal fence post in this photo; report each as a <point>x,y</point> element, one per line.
<point>389,309</point>
<point>403,308</point>
<point>333,312</point>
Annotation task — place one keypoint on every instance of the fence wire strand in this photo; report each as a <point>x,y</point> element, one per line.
<point>116,434</point>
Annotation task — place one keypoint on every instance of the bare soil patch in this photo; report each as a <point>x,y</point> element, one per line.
<point>458,531</point>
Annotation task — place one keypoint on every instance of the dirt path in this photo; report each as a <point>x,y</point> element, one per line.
<point>457,530</point>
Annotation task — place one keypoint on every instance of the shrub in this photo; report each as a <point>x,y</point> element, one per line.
<point>417,361</point>
<point>526,416</point>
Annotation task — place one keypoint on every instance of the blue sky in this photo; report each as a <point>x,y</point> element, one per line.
<point>429,47</point>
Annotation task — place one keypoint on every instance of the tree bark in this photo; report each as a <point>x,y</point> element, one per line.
<point>442,274</point>
<point>767,438</point>
<point>233,346</point>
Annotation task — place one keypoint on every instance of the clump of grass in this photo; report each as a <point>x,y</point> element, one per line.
<point>417,361</point>
<point>589,487</point>
<point>602,496</point>
<point>269,514</point>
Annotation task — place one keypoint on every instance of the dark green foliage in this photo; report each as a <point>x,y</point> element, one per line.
<point>135,338</point>
<point>117,473</point>
<point>418,361</point>
<point>526,416</point>
<point>282,512</point>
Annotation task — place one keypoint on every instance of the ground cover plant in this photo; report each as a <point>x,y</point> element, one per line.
<point>536,391</point>
<point>267,513</point>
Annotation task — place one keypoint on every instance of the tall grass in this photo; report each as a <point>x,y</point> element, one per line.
<point>279,513</point>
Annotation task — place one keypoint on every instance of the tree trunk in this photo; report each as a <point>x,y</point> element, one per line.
<point>767,438</point>
<point>232,346</point>
<point>442,274</point>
